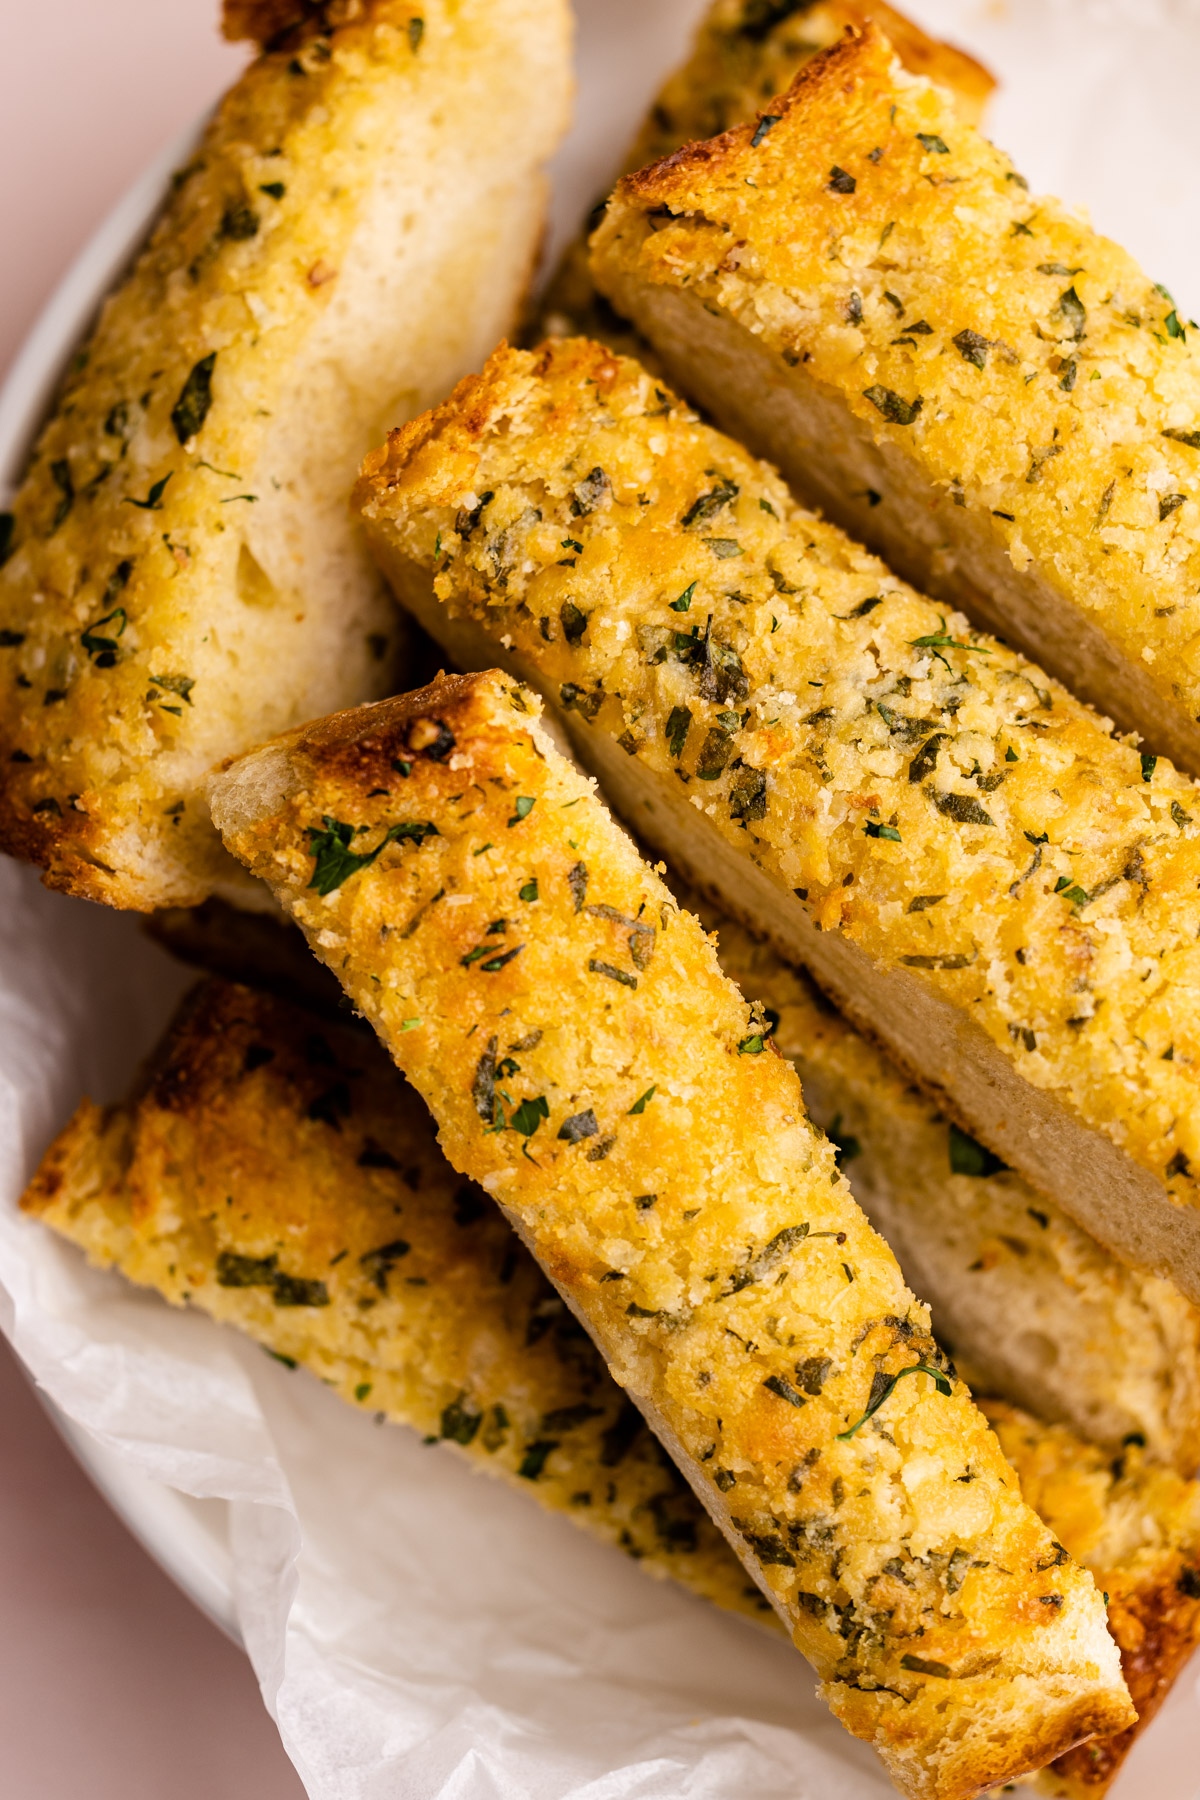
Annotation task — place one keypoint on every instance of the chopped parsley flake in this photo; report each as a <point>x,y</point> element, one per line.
<point>973,347</point>
<point>534,1459</point>
<point>195,398</point>
<point>153,500</point>
<point>893,407</point>
<point>778,1384</point>
<point>334,860</point>
<point>709,503</point>
<point>969,1157</point>
<point>101,645</point>
<point>939,640</point>
<point>580,1125</point>
<point>61,475</point>
<point>596,967</point>
<point>679,723</point>
<point>529,1115</point>
<point>884,1386</point>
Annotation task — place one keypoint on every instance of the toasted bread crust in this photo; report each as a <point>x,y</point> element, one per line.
<point>737,64</point>
<point>644,1066</point>
<point>180,576</point>
<point>959,847</point>
<point>986,391</point>
<point>283,24</point>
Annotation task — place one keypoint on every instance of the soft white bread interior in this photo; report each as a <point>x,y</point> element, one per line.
<point>1028,1304</point>
<point>182,576</point>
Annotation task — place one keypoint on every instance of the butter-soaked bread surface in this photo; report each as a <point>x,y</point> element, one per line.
<point>278,1174</point>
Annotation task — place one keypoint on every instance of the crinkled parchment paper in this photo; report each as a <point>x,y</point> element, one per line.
<point>418,1630</point>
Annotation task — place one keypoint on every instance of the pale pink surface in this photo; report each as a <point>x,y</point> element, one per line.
<point>112,1685</point>
<point>92,90</point>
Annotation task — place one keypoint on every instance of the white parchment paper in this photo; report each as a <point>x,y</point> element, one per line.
<point>418,1631</point>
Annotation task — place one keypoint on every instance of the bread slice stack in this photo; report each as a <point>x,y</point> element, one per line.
<point>181,576</point>
<point>1086,1340</point>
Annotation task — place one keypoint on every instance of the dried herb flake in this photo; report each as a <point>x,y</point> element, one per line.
<point>893,407</point>
<point>195,398</point>
<point>883,1389</point>
<point>335,862</point>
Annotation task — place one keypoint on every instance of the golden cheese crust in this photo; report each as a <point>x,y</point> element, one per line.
<point>190,1188</point>
<point>1137,1528</point>
<point>1027,396</point>
<point>937,805</point>
<point>394,1281</point>
<point>744,53</point>
<point>179,576</point>
<point>589,1065</point>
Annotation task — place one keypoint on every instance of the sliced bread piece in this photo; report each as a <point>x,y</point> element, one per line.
<point>181,575</point>
<point>451,1328</point>
<point>969,379</point>
<point>589,1065</point>
<point>1137,1528</point>
<point>984,877</point>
